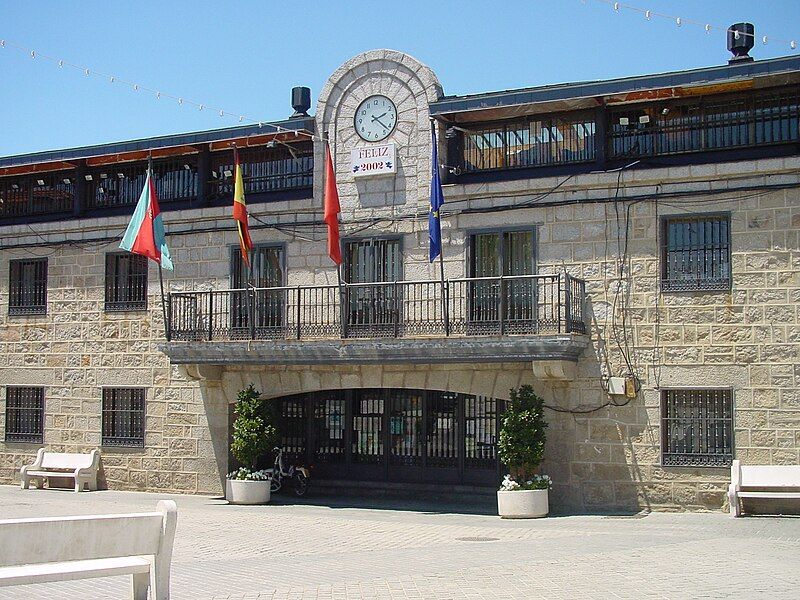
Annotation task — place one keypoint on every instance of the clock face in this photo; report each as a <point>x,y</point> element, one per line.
<point>375,118</point>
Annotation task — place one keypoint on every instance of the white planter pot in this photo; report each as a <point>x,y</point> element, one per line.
<point>239,491</point>
<point>523,504</point>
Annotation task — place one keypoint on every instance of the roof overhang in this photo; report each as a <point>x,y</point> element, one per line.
<point>161,147</point>
<point>587,95</point>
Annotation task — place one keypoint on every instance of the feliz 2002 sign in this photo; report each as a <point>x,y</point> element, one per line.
<point>375,160</point>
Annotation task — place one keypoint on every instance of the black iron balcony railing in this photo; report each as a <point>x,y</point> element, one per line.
<point>518,305</point>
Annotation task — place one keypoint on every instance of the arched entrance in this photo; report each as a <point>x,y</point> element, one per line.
<point>395,435</point>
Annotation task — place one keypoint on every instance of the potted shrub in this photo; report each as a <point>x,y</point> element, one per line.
<point>523,493</point>
<point>253,435</point>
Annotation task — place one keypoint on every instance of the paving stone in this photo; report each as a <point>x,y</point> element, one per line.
<point>331,550</point>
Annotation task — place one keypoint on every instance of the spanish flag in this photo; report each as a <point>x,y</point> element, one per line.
<point>240,211</point>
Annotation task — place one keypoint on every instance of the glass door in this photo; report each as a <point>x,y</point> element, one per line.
<point>406,441</point>
<point>328,432</point>
<point>507,254</point>
<point>367,447</point>
<point>373,309</point>
<point>443,437</point>
<point>268,304</point>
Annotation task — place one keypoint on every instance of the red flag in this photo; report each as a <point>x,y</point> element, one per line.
<point>332,209</point>
<point>240,211</point>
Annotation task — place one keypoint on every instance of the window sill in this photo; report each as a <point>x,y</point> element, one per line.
<point>26,311</point>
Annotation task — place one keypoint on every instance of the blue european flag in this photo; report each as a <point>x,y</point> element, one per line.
<point>437,199</point>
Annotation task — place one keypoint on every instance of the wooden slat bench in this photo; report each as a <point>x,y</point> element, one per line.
<point>776,482</point>
<point>80,467</point>
<point>43,550</point>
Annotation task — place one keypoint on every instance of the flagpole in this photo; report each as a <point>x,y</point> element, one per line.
<point>160,273</point>
<point>445,287</point>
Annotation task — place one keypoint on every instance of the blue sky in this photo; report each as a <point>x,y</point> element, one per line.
<point>246,56</point>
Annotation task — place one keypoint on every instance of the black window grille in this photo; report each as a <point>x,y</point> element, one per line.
<point>37,194</point>
<point>25,414</point>
<point>705,124</point>
<point>532,142</point>
<point>126,281</point>
<point>27,287</point>
<point>121,184</point>
<point>265,169</point>
<point>697,427</point>
<point>696,253</point>
<point>123,417</point>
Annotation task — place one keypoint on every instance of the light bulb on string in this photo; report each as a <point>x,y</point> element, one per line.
<point>708,28</point>
<point>678,21</point>
<point>793,45</point>
<point>764,39</point>
<point>647,14</point>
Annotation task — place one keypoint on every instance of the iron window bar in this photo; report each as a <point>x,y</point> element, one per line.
<point>697,427</point>
<point>25,414</point>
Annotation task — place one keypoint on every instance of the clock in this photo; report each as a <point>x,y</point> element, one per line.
<point>375,118</point>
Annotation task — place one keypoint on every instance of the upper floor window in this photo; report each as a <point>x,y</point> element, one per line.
<point>121,185</point>
<point>697,427</point>
<point>126,281</point>
<point>265,168</point>
<point>268,304</point>
<point>39,193</point>
<point>696,253</point>
<point>25,414</point>
<point>530,143</point>
<point>123,417</point>
<point>709,123</point>
<point>27,287</point>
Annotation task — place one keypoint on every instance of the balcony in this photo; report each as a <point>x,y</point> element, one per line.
<point>519,318</point>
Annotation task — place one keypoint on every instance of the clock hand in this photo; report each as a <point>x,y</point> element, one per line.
<point>377,119</point>
<point>379,116</point>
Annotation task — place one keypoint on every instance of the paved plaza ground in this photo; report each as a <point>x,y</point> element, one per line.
<point>343,550</point>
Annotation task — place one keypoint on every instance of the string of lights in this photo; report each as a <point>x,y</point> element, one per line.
<point>157,94</point>
<point>680,21</point>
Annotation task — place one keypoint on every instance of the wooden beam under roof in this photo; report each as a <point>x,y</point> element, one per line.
<point>136,155</point>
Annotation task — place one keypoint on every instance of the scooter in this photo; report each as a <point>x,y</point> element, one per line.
<point>297,474</point>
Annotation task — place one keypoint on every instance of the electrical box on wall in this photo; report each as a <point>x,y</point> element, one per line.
<point>616,386</point>
<point>622,386</point>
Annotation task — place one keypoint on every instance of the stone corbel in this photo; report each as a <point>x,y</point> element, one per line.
<point>208,373</point>
<point>554,370</point>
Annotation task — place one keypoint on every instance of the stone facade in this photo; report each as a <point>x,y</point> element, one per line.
<point>747,338</point>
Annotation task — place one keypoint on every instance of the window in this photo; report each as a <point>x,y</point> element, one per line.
<point>269,304</point>
<point>27,287</point>
<point>508,254</point>
<point>126,281</point>
<point>696,253</point>
<point>534,142</point>
<point>697,427</point>
<point>373,309</point>
<point>25,414</point>
<point>123,417</point>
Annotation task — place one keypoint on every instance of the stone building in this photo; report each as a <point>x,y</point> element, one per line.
<point>628,247</point>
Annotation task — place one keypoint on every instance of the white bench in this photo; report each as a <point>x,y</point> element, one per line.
<point>43,550</point>
<point>80,467</point>
<point>781,482</point>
